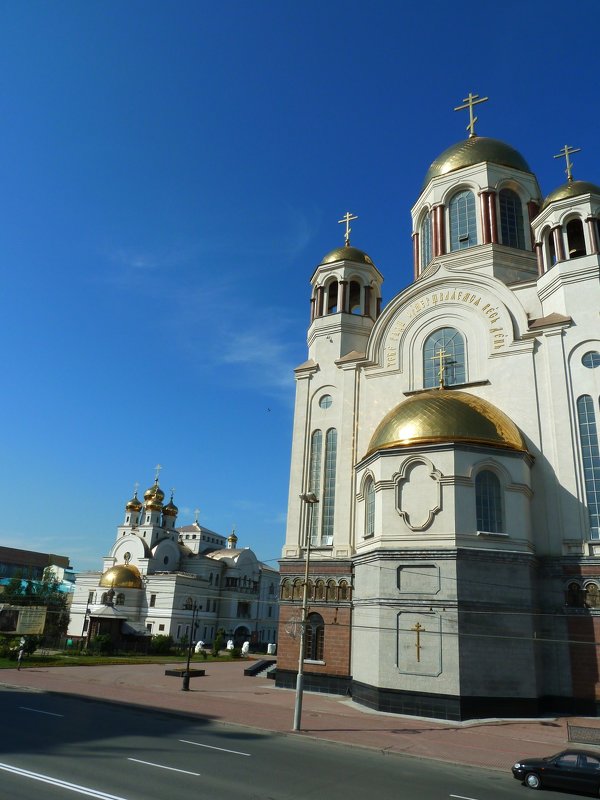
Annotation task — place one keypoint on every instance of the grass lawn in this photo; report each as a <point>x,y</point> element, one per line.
<point>77,659</point>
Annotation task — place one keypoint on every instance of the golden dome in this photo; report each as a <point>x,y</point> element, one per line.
<point>475,150</point>
<point>170,510</point>
<point>122,576</point>
<point>347,253</point>
<point>154,496</point>
<point>444,415</point>
<point>134,504</point>
<point>571,189</point>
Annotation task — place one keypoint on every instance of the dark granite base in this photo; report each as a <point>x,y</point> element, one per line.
<point>328,684</point>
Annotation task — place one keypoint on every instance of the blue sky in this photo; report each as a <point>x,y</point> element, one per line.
<point>171,174</point>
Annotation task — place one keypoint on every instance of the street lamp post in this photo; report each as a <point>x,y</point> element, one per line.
<point>185,686</point>
<point>310,499</point>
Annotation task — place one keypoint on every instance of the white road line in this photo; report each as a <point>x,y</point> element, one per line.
<point>162,766</point>
<point>210,747</point>
<point>38,711</point>
<point>72,787</point>
<point>462,797</point>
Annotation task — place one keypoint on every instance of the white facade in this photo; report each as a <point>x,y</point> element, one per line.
<point>451,440</point>
<point>159,579</point>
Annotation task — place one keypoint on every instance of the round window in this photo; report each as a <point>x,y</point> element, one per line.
<point>591,359</point>
<point>325,401</point>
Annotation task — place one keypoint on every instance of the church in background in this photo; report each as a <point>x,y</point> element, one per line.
<point>187,583</point>
<point>450,441</point>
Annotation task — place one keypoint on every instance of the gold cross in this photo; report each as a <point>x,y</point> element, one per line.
<point>440,356</point>
<point>158,468</point>
<point>417,629</point>
<point>565,153</point>
<point>197,514</point>
<point>136,486</point>
<point>470,101</point>
<point>347,218</point>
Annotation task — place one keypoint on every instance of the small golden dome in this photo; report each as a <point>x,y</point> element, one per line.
<point>154,496</point>
<point>134,504</point>
<point>571,189</point>
<point>444,415</point>
<point>475,150</point>
<point>170,510</point>
<point>122,576</point>
<point>347,253</point>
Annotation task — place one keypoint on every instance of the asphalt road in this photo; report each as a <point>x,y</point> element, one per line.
<point>59,747</point>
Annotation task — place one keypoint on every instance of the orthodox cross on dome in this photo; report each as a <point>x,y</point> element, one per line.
<point>417,629</point>
<point>565,153</point>
<point>196,516</point>
<point>470,101</point>
<point>347,218</point>
<point>158,468</point>
<point>136,486</point>
<point>172,492</point>
<point>441,356</point>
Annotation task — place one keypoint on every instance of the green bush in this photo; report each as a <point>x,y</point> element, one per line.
<point>161,644</point>
<point>101,644</point>
<point>218,644</point>
<point>236,652</point>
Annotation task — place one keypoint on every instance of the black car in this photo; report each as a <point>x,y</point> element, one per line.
<point>573,770</point>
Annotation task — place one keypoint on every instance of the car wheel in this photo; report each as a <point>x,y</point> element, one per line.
<point>532,780</point>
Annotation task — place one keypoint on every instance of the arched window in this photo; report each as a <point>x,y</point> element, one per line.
<point>447,346</point>
<point>426,241</point>
<point>310,588</point>
<point>369,507</point>
<point>319,590</point>
<point>588,436</point>
<point>329,488</point>
<point>488,502</point>
<point>575,238</point>
<point>344,591</point>
<point>331,590</point>
<point>463,223</point>
<point>592,595</point>
<point>297,595</point>
<point>332,297</point>
<point>120,599</point>
<point>354,305</point>
<point>511,219</point>
<point>286,590</point>
<point>314,638</point>
<point>316,448</point>
<point>574,595</point>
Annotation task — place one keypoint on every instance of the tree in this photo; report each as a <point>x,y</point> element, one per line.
<point>47,592</point>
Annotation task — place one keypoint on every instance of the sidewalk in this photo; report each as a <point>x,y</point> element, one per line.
<point>224,694</point>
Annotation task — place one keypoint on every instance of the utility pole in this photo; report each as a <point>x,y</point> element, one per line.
<point>310,499</point>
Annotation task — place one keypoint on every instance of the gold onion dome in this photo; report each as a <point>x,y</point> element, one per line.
<point>154,496</point>
<point>444,415</point>
<point>122,576</point>
<point>475,150</point>
<point>170,510</point>
<point>347,253</point>
<point>135,504</point>
<point>571,189</point>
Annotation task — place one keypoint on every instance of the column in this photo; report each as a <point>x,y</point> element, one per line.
<point>559,245</point>
<point>533,210</point>
<point>439,233</point>
<point>342,295</point>
<point>415,239</point>
<point>485,217</point>
<point>367,308</point>
<point>592,224</point>
<point>539,252</point>
<point>491,198</point>
<point>320,300</point>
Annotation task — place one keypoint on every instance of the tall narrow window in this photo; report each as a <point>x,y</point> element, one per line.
<point>488,501</point>
<point>369,508</point>
<point>426,243</point>
<point>316,447</point>
<point>354,305</point>
<point>444,352</point>
<point>314,638</point>
<point>463,223</point>
<point>588,434</point>
<point>329,488</point>
<point>575,238</point>
<point>511,219</point>
<point>332,297</point>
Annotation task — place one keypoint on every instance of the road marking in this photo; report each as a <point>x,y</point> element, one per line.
<point>210,747</point>
<point>462,797</point>
<point>162,766</point>
<point>72,787</point>
<point>38,711</point>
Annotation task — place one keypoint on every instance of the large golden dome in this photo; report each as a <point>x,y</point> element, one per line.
<point>347,253</point>
<point>444,415</point>
<point>122,576</point>
<point>571,189</point>
<point>475,150</point>
<point>154,496</point>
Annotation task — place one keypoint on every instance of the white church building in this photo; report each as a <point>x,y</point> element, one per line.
<point>187,583</point>
<point>451,441</point>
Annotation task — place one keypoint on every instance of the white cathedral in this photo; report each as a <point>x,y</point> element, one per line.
<point>450,439</point>
<point>187,583</point>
